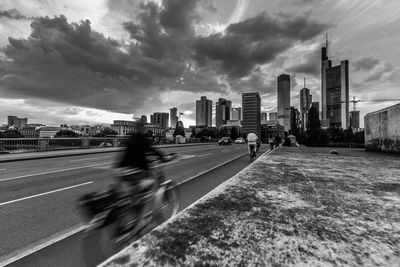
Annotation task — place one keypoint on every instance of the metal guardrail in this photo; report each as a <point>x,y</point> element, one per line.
<point>20,145</point>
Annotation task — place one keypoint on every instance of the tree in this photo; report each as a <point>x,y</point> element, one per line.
<point>12,134</point>
<point>66,133</point>
<point>179,129</point>
<point>223,132</point>
<point>234,133</point>
<point>313,127</point>
<point>294,122</point>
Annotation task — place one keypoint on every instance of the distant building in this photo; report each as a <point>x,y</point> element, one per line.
<point>305,104</point>
<point>270,127</point>
<point>143,118</point>
<point>160,118</point>
<point>284,101</point>
<point>128,127</point>
<point>264,116</point>
<point>251,105</point>
<point>222,112</point>
<point>236,114</point>
<point>273,116</point>
<point>47,131</point>
<point>204,111</point>
<point>17,122</point>
<point>355,119</point>
<point>28,132</point>
<point>173,117</point>
<point>334,92</point>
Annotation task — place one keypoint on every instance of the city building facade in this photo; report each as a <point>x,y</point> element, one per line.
<point>284,101</point>
<point>305,104</point>
<point>173,117</point>
<point>128,127</point>
<point>355,119</point>
<point>236,114</point>
<point>334,92</point>
<point>160,118</point>
<point>251,115</point>
<point>222,112</point>
<point>204,111</point>
<point>273,116</point>
<point>264,116</point>
<point>17,122</point>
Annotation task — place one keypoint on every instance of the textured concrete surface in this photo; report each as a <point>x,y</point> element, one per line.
<point>382,130</point>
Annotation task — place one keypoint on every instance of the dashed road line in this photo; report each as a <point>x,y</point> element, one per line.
<point>45,193</point>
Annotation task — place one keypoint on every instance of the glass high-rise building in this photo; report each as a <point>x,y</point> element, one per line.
<point>305,104</point>
<point>251,111</point>
<point>236,114</point>
<point>334,92</point>
<point>222,112</point>
<point>204,112</point>
<point>284,101</point>
<point>160,118</point>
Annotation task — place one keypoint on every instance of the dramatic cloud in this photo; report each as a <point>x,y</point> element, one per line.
<point>254,41</point>
<point>310,65</point>
<point>12,14</point>
<point>365,63</point>
<point>380,73</point>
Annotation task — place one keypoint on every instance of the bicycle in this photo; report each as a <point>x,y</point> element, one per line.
<point>252,153</point>
<point>116,217</point>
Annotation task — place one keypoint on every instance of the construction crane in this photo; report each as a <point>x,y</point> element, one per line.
<point>354,101</point>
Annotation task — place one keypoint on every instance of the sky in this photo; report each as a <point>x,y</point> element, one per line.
<point>95,61</point>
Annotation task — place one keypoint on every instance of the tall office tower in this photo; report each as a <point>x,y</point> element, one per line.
<point>284,101</point>
<point>173,117</point>
<point>334,92</point>
<point>273,116</point>
<point>305,105</point>
<point>204,112</point>
<point>251,105</point>
<point>222,112</point>
<point>236,114</point>
<point>355,119</point>
<point>18,122</point>
<point>264,116</point>
<point>160,118</point>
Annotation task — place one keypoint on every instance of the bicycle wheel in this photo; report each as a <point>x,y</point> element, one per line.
<point>170,202</point>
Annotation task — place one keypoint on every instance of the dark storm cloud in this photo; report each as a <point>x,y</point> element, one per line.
<point>365,63</point>
<point>310,66</point>
<point>257,40</point>
<point>378,75</point>
<point>12,14</point>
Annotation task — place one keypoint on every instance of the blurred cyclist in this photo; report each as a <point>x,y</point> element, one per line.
<point>252,139</point>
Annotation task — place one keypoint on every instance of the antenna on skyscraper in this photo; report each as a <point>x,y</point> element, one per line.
<point>326,43</point>
<point>304,82</point>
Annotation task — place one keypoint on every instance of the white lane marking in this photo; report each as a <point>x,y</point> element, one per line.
<point>3,169</point>
<point>74,160</point>
<point>45,193</point>
<point>199,156</point>
<point>225,150</point>
<point>36,246</point>
<point>55,171</point>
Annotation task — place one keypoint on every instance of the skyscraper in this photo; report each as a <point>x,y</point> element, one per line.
<point>284,101</point>
<point>222,112</point>
<point>204,112</point>
<point>251,105</point>
<point>264,116</point>
<point>355,119</point>
<point>173,117</point>
<point>305,104</point>
<point>236,114</point>
<point>160,118</point>
<point>334,92</point>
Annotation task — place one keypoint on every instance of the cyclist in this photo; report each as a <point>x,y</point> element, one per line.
<point>133,168</point>
<point>252,139</point>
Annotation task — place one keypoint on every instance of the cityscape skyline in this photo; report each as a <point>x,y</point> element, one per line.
<point>95,85</point>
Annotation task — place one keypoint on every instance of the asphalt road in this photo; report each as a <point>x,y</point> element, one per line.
<point>37,197</point>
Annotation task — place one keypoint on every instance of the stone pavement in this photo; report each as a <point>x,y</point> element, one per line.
<point>293,207</point>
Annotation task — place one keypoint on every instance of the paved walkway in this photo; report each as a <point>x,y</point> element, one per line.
<point>73,152</point>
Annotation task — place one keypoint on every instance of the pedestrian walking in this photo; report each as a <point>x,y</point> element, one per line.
<point>271,142</point>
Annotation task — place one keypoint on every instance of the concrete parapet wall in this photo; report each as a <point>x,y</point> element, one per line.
<point>382,130</point>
